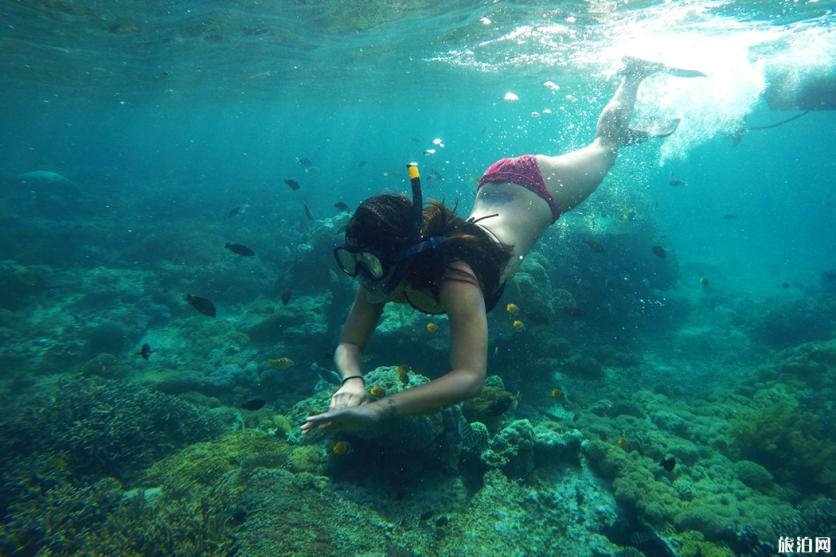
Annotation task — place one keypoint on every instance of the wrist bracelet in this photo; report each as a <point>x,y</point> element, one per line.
<point>360,377</point>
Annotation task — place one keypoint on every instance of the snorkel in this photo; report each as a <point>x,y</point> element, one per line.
<point>419,245</point>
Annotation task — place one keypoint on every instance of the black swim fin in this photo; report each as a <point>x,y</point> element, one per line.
<point>636,137</point>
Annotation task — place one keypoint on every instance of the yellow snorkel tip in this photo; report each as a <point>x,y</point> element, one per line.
<point>412,171</point>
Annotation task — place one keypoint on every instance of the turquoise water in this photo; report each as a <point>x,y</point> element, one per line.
<point>151,121</point>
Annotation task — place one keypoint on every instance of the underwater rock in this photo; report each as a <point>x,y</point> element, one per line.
<point>105,365</point>
<point>103,427</point>
<point>554,445</point>
<point>753,474</point>
<point>512,450</point>
<point>109,336</point>
<point>583,367</point>
<point>519,447</point>
<point>21,285</point>
<point>489,405</point>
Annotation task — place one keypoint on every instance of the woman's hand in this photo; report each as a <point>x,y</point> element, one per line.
<point>352,393</point>
<point>352,418</point>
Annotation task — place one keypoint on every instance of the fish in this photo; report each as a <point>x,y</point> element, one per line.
<point>659,251</point>
<point>253,404</point>
<point>468,437</point>
<point>622,442</point>
<point>403,374</point>
<point>241,250</point>
<point>429,152</point>
<point>676,182</point>
<point>145,351</point>
<point>436,174</point>
<point>517,324</point>
<point>704,282</point>
<point>280,363</point>
<point>556,393</point>
<point>729,216</point>
<point>204,306</point>
<point>594,245</point>
<point>237,211</point>
<point>668,463</point>
<point>294,185</point>
<point>785,285</point>
<point>308,212</point>
<point>363,163</point>
<point>377,392</point>
<point>512,308</point>
<point>311,170</point>
<point>340,206</point>
<point>341,448</point>
<point>326,374</point>
<point>432,327</point>
<point>304,161</point>
<point>286,295</point>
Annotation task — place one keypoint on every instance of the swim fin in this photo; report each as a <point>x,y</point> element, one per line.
<point>682,72</point>
<point>636,137</point>
<point>642,68</point>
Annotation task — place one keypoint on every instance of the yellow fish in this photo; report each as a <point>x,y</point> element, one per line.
<point>556,393</point>
<point>704,282</point>
<point>512,308</point>
<point>341,448</point>
<point>280,363</point>
<point>517,324</point>
<point>376,392</point>
<point>432,327</point>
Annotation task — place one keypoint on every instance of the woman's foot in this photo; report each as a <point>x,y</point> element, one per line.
<point>637,68</point>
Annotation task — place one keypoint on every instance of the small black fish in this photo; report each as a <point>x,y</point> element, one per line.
<point>340,206</point>
<point>235,211</point>
<point>286,295</point>
<point>668,463</point>
<point>294,185</point>
<point>677,182</point>
<point>659,251</point>
<point>308,212</point>
<point>785,285</point>
<point>145,351</point>
<point>243,251</point>
<point>204,306</point>
<point>363,163</point>
<point>436,174</point>
<point>254,404</point>
<point>304,161</point>
<point>729,216</point>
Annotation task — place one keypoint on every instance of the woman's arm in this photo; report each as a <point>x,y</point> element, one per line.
<point>358,328</point>
<point>465,308</point>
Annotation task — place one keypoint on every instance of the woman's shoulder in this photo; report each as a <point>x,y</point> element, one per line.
<point>460,270</point>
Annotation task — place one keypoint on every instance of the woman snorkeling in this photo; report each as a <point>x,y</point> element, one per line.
<point>440,263</point>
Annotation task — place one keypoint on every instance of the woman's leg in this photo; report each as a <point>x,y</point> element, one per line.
<point>572,177</point>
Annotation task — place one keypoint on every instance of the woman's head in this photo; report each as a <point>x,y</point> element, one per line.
<point>384,224</point>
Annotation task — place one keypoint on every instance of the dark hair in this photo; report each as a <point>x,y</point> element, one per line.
<point>385,223</point>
